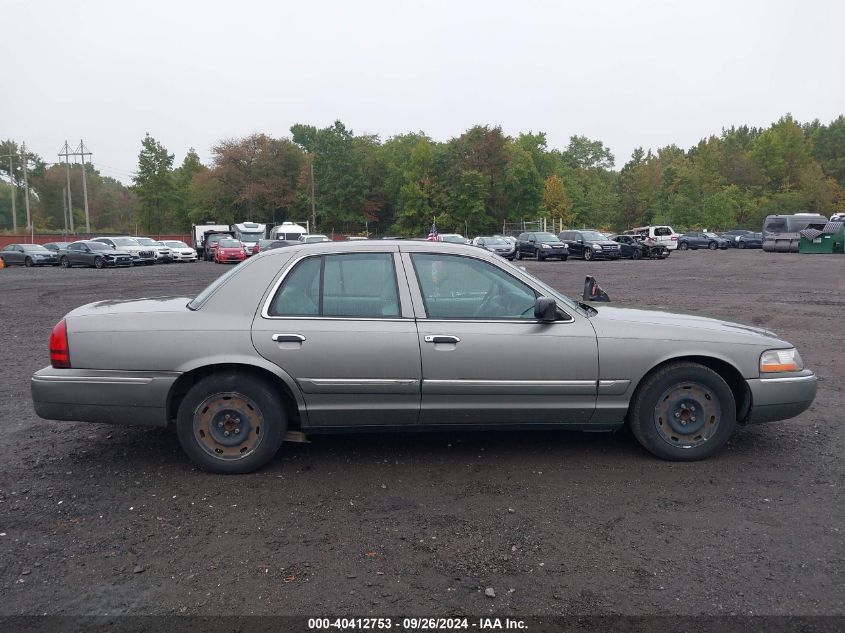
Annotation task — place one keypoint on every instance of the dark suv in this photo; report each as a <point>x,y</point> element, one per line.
<point>590,245</point>
<point>540,245</point>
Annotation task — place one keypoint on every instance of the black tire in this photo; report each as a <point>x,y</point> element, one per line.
<point>64,262</point>
<point>712,246</point>
<point>98,262</point>
<point>241,407</point>
<point>740,244</point>
<point>563,258</point>
<point>149,263</point>
<point>538,256</point>
<point>588,254</point>
<point>682,412</point>
<point>28,262</point>
<point>517,255</point>
<point>637,254</point>
<point>683,246</point>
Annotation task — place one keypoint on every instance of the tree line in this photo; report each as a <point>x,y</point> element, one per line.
<point>474,182</point>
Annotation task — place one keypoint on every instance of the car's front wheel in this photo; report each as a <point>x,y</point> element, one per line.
<point>683,246</point>
<point>231,423</point>
<point>98,262</point>
<point>740,244</point>
<point>636,254</point>
<point>712,246</point>
<point>64,262</point>
<point>517,255</point>
<point>588,254</point>
<point>683,412</point>
<point>28,262</point>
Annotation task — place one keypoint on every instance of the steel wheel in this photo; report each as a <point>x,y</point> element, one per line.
<point>687,415</point>
<point>682,411</point>
<point>231,422</point>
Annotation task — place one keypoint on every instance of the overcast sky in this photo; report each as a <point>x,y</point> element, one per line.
<point>631,73</point>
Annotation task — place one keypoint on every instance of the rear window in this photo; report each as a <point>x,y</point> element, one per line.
<point>229,244</point>
<point>662,230</point>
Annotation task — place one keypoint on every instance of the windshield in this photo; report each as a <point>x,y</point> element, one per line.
<point>593,236</point>
<point>711,235</point>
<point>251,234</point>
<point>98,246</point>
<point>546,237</point>
<point>229,243</point>
<point>495,241</point>
<point>145,241</point>
<point>124,241</point>
<point>176,244</point>
<point>34,247</point>
<point>454,239</point>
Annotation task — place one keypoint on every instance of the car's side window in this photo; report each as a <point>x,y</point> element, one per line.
<point>361,285</point>
<point>457,287</point>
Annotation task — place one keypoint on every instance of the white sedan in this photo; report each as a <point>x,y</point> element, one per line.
<point>180,251</point>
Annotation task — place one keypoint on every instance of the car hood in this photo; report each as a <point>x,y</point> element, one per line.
<point>602,242</point>
<point>554,244</point>
<point>130,306</point>
<point>623,322</point>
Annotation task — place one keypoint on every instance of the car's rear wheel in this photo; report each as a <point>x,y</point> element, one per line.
<point>98,262</point>
<point>683,412</point>
<point>64,262</point>
<point>231,423</point>
<point>28,262</point>
<point>740,244</point>
<point>636,254</point>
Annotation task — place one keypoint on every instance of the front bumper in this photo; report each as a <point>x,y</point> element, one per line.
<point>781,398</point>
<point>137,398</point>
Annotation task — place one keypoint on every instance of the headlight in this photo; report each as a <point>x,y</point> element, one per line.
<point>545,246</point>
<point>596,247</point>
<point>779,360</point>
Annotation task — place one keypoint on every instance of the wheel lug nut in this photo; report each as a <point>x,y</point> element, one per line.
<point>677,414</point>
<point>220,424</point>
<point>226,433</point>
<point>237,431</point>
<point>692,419</point>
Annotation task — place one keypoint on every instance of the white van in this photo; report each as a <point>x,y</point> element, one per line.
<point>662,234</point>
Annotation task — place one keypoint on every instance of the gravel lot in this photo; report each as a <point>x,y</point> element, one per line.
<point>98,519</point>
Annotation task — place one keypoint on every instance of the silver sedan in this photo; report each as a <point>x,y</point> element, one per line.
<point>410,335</point>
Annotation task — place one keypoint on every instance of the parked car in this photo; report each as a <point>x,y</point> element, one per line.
<point>462,338</point>
<point>499,245</point>
<point>141,255</point>
<point>837,217</point>
<point>28,255</point>
<point>313,238</point>
<point>732,235</point>
<point>163,253</point>
<point>93,253</point>
<point>180,251</point>
<point>540,245</point>
<point>749,240</point>
<point>660,234</point>
<point>453,238</point>
<point>631,247</point>
<point>211,241</point>
<point>57,247</point>
<point>695,240</point>
<point>229,250</point>
<point>589,245</point>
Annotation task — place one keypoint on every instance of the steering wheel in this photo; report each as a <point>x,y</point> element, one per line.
<point>493,298</point>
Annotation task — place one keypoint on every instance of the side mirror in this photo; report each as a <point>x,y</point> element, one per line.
<point>592,291</point>
<point>545,309</point>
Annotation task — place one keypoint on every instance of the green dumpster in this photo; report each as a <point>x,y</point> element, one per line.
<point>823,238</point>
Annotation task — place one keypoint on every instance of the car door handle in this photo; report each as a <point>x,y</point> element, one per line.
<point>441,338</point>
<point>288,338</point>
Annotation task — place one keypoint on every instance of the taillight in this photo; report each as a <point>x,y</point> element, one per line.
<point>59,351</point>
<point>674,238</point>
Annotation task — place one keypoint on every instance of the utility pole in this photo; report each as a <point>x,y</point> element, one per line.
<point>64,209</point>
<point>67,155</point>
<point>83,153</point>
<point>14,202</point>
<point>26,186</point>
<point>313,202</point>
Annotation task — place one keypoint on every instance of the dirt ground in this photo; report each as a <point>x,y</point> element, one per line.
<point>98,519</point>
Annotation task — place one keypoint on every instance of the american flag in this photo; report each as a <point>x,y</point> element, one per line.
<point>432,234</point>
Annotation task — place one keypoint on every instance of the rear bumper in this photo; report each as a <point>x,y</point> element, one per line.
<point>781,398</point>
<point>137,398</point>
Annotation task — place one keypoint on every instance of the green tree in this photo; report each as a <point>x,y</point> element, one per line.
<point>556,203</point>
<point>154,185</point>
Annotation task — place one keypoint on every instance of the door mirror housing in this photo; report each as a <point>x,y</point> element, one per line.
<point>545,309</point>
